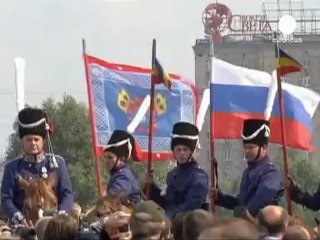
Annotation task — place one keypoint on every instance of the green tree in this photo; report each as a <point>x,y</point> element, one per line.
<point>14,148</point>
<point>228,186</point>
<point>306,174</point>
<point>72,140</point>
<point>139,170</point>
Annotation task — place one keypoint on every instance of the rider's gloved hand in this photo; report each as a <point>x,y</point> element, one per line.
<point>289,182</point>
<point>18,219</point>
<point>149,177</point>
<point>62,212</point>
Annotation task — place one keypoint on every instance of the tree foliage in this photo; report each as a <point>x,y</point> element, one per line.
<point>306,174</point>
<point>229,186</point>
<point>14,148</point>
<point>161,169</point>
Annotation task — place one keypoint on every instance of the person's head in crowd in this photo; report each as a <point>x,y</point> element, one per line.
<point>236,228</point>
<point>62,227</point>
<point>296,232</point>
<point>148,221</point>
<point>177,225</point>
<point>273,221</point>
<point>195,222</point>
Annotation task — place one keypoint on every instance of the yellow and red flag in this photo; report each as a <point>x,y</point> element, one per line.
<point>159,76</point>
<point>286,64</point>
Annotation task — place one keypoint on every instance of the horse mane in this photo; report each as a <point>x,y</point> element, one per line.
<point>105,206</point>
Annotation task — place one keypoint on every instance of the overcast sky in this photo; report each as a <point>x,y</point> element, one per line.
<point>48,33</point>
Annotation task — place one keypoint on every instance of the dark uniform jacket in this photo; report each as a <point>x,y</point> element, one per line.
<point>261,185</point>
<point>123,179</point>
<point>311,201</point>
<point>12,196</point>
<point>187,189</point>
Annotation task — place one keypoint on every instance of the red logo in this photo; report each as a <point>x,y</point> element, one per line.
<point>216,18</point>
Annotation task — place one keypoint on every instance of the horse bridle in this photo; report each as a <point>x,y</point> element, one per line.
<point>98,225</point>
<point>122,229</point>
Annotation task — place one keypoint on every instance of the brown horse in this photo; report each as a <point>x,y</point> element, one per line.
<point>105,206</point>
<point>40,196</point>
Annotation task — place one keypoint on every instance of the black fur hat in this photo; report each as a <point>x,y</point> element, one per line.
<point>256,131</point>
<point>32,121</point>
<point>186,134</point>
<point>124,145</point>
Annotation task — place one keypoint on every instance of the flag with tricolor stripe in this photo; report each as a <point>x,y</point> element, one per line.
<point>286,64</point>
<point>159,76</point>
<point>241,93</point>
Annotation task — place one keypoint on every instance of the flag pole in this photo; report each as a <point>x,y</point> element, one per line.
<point>213,161</point>
<point>283,130</point>
<point>19,66</point>
<point>150,143</point>
<point>92,121</point>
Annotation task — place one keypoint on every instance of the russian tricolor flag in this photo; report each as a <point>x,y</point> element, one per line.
<point>239,93</point>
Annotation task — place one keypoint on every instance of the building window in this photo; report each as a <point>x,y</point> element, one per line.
<point>285,79</point>
<point>306,60</point>
<point>228,174</point>
<point>227,155</point>
<point>225,57</point>
<point>306,81</point>
<point>208,66</point>
<point>227,150</point>
<point>245,62</point>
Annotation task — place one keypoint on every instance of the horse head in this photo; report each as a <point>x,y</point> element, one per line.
<point>39,197</point>
<point>110,204</point>
<point>104,207</point>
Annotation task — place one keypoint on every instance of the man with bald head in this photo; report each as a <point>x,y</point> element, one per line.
<point>296,232</point>
<point>273,222</point>
<point>236,228</point>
